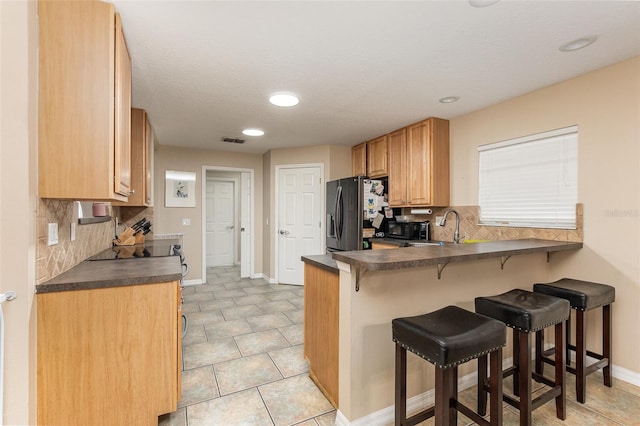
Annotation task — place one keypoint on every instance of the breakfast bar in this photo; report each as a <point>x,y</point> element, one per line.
<point>375,286</point>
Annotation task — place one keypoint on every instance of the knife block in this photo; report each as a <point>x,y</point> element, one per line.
<point>125,238</point>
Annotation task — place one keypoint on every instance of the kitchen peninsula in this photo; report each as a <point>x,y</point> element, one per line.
<point>373,287</point>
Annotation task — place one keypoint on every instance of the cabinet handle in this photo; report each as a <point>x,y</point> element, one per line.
<point>133,191</point>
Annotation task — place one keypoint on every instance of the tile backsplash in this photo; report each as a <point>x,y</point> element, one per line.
<point>90,239</point>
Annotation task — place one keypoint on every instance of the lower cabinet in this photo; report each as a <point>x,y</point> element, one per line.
<point>109,356</point>
<point>321,323</point>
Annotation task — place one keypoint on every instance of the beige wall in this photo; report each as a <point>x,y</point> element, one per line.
<point>337,164</point>
<point>169,220</point>
<point>605,105</point>
<point>18,182</point>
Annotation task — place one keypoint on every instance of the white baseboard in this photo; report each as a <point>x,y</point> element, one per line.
<point>192,282</point>
<point>257,276</point>
<point>426,399</point>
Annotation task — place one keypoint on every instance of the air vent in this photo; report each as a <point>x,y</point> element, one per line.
<point>232,140</point>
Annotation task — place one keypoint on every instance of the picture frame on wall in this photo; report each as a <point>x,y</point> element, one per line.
<point>180,188</point>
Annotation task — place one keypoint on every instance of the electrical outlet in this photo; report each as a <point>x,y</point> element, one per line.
<point>52,235</point>
<point>186,222</point>
<point>439,220</point>
<point>73,231</point>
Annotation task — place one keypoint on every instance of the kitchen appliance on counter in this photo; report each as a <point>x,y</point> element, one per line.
<point>409,230</point>
<point>355,212</point>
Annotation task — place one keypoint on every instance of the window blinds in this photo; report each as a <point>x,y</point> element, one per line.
<point>530,181</point>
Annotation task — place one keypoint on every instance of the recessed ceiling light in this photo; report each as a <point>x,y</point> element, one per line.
<point>578,44</point>
<point>449,99</point>
<point>284,99</point>
<point>252,132</point>
<point>482,3</point>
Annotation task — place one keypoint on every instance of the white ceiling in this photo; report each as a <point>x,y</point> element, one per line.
<point>204,70</point>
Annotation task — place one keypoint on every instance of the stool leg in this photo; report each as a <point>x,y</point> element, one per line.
<point>524,377</point>
<point>516,362</point>
<point>567,333</point>
<point>453,412</point>
<point>606,343</point>
<point>561,400</point>
<point>495,407</point>
<point>482,378</point>
<point>581,357</point>
<point>401,386</point>
<point>444,393</point>
<point>539,349</point>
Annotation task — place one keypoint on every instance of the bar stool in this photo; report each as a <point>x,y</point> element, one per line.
<point>583,296</point>
<point>526,312</point>
<point>447,338</point>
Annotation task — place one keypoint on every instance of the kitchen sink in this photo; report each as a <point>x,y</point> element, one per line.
<point>424,243</point>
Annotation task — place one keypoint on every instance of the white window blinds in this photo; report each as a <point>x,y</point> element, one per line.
<point>530,181</point>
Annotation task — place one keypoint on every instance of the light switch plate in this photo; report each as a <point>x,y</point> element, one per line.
<point>186,222</point>
<point>439,220</point>
<point>52,235</point>
<point>73,231</point>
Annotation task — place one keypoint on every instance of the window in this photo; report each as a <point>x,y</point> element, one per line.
<point>530,181</point>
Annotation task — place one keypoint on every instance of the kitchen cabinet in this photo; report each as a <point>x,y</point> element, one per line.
<point>84,102</point>
<point>142,142</point>
<point>109,356</point>
<point>419,164</point>
<point>377,157</point>
<point>321,324</point>
<point>359,160</point>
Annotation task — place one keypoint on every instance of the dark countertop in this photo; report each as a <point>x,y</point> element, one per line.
<point>115,273</point>
<point>414,257</point>
<point>323,261</point>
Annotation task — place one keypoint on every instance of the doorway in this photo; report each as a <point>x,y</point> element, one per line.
<point>228,222</point>
<point>299,211</point>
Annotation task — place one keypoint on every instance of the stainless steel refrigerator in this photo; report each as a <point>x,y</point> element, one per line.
<point>345,207</point>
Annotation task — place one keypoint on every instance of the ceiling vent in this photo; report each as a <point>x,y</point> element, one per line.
<point>232,140</point>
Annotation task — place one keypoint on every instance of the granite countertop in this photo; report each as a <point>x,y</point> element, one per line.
<point>115,273</point>
<point>323,261</point>
<point>414,257</point>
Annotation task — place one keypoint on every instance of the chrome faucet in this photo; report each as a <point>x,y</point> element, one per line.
<point>443,222</point>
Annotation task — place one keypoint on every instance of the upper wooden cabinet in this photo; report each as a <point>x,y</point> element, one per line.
<point>84,102</point>
<point>359,160</point>
<point>142,141</point>
<point>377,157</point>
<point>398,190</point>
<point>419,164</point>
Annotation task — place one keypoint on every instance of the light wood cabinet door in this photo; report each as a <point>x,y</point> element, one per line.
<point>141,160</point>
<point>359,160</point>
<point>419,163</point>
<point>77,150</point>
<point>321,324</point>
<point>122,113</point>
<point>398,185</point>
<point>108,356</point>
<point>377,157</point>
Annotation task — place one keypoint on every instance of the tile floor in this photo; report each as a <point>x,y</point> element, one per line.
<point>243,365</point>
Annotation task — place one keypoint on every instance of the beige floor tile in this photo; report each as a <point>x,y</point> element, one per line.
<point>200,318</point>
<point>269,321</point>
<point>293,400</point>
<point>190,307</point>
<point>297,317</point>
<point>198,384</point>
<point>262,289</point>
<point>261,341</point>
<point>280,295</point>
<point>224,329</point>
<point>293,333</point>
<point>216,304</point>
<point>206,353</point>
<point>177,418</point>
<point>328,419</point>
<point>244,373</point>
<point>197,297</point>
<point>241,312</point>
<point>223,294</point>
<point>252,299</point>
<point>277,306</point>
<point>195,334</point>
<point>290,361</point>
<point>242,408</point>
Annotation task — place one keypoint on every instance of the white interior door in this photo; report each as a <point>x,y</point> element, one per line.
<point>299,229</point>
<point>245,225</point>
<point>220,222</point>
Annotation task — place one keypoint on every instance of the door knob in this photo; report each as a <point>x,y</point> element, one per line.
<point>284,232</point>
<point>228,227</point>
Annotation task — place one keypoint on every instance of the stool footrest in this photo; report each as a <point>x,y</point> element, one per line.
<point>470,413</point>
<point>592,368</point>
<point>421,416</point>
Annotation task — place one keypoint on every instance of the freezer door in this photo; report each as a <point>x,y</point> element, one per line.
<point>332,194</point>
<point>349,224</point>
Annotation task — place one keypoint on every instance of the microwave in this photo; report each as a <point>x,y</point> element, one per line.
<point>408,230</point>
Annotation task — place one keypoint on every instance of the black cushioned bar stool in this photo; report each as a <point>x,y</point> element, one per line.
<point>447,338</point>
<point>526,312</point>
<point>582,296</point>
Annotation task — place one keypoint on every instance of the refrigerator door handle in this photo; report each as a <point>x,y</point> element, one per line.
<point>338,214</point>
